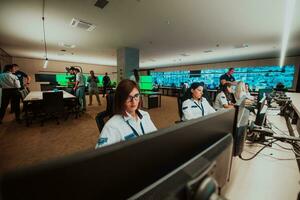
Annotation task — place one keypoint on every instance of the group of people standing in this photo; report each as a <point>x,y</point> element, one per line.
<point>79,86</point>
<point>12,81</point>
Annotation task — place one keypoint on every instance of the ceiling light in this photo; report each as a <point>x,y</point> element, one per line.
<point>289,10</point>
<point>184,54</point>
<point>62,44</point>
<point>240,46</point>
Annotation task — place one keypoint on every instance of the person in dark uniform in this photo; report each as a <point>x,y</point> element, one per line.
<point>227,78</point>
<point>10,84</point>
<point>23,77</point>
<point>106,83</point>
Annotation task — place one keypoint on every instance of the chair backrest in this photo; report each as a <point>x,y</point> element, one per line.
<point>53,102</point>
<point>179,104</point>
<point>110,103</point>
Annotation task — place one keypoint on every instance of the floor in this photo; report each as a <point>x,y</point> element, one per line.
<point>22,146</point>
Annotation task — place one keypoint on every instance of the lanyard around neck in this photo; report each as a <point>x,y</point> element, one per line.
<point>134,131</point>
<point>200,107</point>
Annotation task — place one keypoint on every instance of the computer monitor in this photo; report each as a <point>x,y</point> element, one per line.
<point>264,92</point>
<point>240,128</point>
<point>121,170</point>
<point>262,108</point>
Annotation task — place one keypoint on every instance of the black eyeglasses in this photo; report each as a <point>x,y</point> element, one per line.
<point>135,97</point>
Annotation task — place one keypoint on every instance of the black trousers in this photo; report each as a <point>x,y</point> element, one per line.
<point>104,90</point>
<point>10,95</point>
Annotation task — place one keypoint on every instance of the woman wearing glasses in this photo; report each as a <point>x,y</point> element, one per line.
<point>128,121</point>
<point>196,105</point>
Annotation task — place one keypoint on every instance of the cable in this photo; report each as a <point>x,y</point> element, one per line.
<point>267,145</point>
<point>43,19</point>
<point>296,158</point>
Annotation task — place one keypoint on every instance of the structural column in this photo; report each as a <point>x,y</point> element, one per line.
<point>127,60</point>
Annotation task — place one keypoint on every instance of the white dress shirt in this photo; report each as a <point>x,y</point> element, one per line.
<point>193,109</point>
<point>120,128</point>
<point>9,80</point>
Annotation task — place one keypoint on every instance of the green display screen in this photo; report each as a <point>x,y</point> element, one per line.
<point>63,80</point>
<point>146,83</point>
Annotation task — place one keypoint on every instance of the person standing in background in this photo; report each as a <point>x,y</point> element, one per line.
<point>10,85</point>
<point>79,89</point>
<point>135,76</point>
<point>23,77</point>
<point>227,78</point>
<point>93,87</point>
<point>24,81</point>
<point>106,83</point>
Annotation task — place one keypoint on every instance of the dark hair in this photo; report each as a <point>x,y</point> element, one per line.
<point>76,69</point>
<point>231,68</point>
<point>226,85</point>
<point>136,75</point>
<point>15,65</point>
<point>193,86</point>
<point>8,68</point>
<point>122,92</point>
<point>228,95</point>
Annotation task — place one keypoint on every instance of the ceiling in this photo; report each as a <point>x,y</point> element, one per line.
<point>167,32</point>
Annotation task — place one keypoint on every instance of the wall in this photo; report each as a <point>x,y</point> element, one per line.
<point>259,62</point>
<point>5,59</point>
<point>35,66</point>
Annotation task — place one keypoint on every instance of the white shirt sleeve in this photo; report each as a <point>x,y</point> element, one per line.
<point>223,99</point>
<point>109,135</point>
<point>15,81</point>
<point>152,127</point>
<point>186,110</point>
<point>207,106</point>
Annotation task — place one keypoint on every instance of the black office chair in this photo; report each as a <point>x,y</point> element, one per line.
<point>100,118</point>
<point>53,106</point>
<point>180,100</point>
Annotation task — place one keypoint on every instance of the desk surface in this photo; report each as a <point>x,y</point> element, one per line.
<point>38,95</point>
<point>295,97</point>
<point>150,92</point>
<point>264,177</point>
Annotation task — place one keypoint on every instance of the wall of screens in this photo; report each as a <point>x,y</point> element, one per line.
<point>258,77</point>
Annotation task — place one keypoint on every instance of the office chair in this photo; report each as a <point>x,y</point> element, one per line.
<point>107,113</point>
<point>53,106</point>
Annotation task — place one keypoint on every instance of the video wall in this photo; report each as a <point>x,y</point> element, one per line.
<point>258,77</point>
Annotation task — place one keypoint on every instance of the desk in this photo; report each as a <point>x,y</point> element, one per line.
<point>264,178</point>
<point>295,97</point>
<point>35,99</point>
<point>151,99</point>
<point>38,95</point>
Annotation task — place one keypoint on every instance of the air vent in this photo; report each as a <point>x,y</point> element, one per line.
<point>208,51</point>
<point>78,23</point>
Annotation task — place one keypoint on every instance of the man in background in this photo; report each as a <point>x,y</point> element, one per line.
<point>79,89</point>
<point>93,87</point>
<point>24,80</point>
<point>227,78</point>
<point>106,83</point>
<point>23,77</point>
<point>10,84</point>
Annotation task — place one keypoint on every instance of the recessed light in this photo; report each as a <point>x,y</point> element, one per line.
<point>184,54</point>
<point>241,46</point>
<point>70,46</point>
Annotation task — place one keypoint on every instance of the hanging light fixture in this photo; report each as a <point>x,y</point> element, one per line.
<point>45,43</point>
<point>289,11</point>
